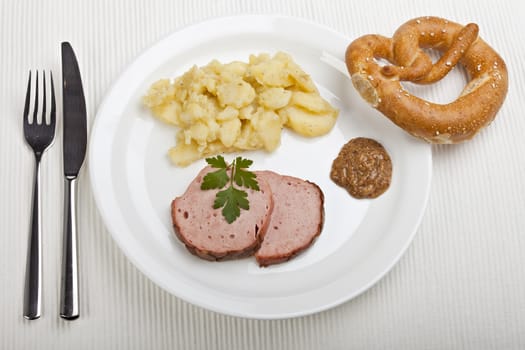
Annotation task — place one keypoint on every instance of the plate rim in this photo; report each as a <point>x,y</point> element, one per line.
<point>98,197</point>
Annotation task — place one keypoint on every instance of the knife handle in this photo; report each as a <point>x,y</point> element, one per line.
<point>69,296</point>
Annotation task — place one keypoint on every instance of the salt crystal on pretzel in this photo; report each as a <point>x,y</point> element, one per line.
<point>455,122</point>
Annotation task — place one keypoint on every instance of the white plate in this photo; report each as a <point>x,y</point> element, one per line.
<point>134,182</point>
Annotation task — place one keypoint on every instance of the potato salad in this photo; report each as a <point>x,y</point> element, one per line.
<point>238,106</point>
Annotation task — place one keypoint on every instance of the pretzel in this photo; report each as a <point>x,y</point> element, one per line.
<point>380,86</point>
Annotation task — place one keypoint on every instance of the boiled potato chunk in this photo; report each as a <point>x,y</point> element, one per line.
<point>269,130</point>
<point>229,132</point>
<point>271,73</point>
<point>197,132</point>
<point>307,123</point>
<point>310,101</point>
<point>232,71</point>
<point>168,112</point>
<point>159,93</point>
<point>248,138</point>
<point>275,98</point>
<point>301,79</point>
<point>228,113</point>
<point>184,154</point>
<point>236,94</point>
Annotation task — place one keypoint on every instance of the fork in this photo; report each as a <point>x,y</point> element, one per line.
<point>38,135</point>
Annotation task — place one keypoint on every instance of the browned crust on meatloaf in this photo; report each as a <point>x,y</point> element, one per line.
<point>214,256</point>
<point>280,258</point>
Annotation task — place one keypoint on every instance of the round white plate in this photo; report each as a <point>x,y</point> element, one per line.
<point>134,182</point>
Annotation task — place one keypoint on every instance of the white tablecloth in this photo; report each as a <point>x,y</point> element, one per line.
<point>460,285</point>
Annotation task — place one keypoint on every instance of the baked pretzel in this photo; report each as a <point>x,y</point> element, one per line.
<point>380,86</point>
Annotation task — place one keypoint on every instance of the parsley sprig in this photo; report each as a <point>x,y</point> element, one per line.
<point>231,199</point>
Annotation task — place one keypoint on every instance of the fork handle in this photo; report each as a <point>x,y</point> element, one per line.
<point>69,305</point>
<point>33,281</point>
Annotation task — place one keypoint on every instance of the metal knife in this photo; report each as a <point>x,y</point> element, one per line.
<point>74,151</point>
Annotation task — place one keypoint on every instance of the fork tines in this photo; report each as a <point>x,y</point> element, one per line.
<point>39,132</point>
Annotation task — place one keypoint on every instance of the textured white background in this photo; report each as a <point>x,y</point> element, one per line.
<point>461,284</point>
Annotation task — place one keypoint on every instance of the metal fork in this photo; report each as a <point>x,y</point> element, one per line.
<point>38,135</point>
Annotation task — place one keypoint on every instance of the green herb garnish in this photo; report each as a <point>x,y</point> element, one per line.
<point>232,199</point>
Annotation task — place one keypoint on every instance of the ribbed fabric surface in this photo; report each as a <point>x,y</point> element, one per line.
<point>461,284</point>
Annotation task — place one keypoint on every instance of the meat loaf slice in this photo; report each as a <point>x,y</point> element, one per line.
<point>206,233</point>
<point>297,218</point>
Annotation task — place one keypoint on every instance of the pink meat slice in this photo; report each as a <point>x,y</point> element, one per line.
<point>206,233</point>
<point>297,218</point>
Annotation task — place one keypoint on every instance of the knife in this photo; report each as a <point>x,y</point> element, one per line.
<point>74,150</point>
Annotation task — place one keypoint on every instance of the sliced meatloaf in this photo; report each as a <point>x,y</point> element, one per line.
<point>207,234</point>
<point>297,218</point>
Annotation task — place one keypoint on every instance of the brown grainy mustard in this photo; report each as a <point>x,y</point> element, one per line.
<point>363,168</point>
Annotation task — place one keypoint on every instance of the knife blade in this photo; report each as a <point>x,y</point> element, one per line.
<point>74,111</point>
<point>74,151</point>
